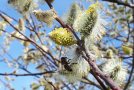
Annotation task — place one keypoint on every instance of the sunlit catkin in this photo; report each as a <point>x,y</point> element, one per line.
<point>21,24</point>
<point>89,24</point>
<point>45,16</point>
<point>73,13</point>
<point>114,68</point>
<point>62,36</point>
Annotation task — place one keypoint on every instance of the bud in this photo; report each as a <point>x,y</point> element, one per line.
<point>62,36</point>
<point>127,50</point>
<point>21,24</point>
<point>35,86</point>
<point>17,35</point>
<point>45,48</point>
<point>7,18</point>
<point>2,26</point>
<point>109,53</point>
<point>26,43</point>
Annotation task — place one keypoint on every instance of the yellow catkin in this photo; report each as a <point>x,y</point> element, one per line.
<point>92,8</point>
<point>62,36</point>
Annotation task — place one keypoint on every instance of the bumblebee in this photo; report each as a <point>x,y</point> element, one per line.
<point>67,65</point>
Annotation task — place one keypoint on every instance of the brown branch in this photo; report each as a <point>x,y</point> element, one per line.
<point>93,65</point>
<point>91,83</point>
<point>35,46</point>
<point>29,74</point>
<point>99,80</point>
<point>30,40</point>
<point>34,29</point>
<point>119,2</point>
<point>129,31</point>
<point>52,85</point>
<point>49,4</point>
<point>65,85</point>
<point>13,19</point>
<point>12,35</point>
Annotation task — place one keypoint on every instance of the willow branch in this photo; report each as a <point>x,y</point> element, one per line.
<point>91,83</point>
<point>30,40</point>
<point>99,80</point>
<point>93,65</point>
<point>34,29</point>
<point>13,18</point>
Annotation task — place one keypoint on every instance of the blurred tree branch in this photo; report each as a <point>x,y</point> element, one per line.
<point>120,2</point>
<point>29,74</point>
<point>130,76</point>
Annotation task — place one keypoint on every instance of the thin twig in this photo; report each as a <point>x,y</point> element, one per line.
<point>29,74</point>
<point>30,40</point>
<point>119,2</point>
<point>130,76</point>
<point>91,83</point>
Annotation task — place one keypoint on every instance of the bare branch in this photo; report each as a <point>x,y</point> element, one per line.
<point>119,2</point>
<point>91,83</point>
<point>29,74</point>
<point>30,40</point>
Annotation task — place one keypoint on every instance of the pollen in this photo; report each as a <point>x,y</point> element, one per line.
<point>62,36</point>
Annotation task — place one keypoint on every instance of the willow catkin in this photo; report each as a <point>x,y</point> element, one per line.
<point>62,36</point>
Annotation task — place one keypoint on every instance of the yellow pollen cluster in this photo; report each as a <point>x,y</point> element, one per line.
<point>92,8</point>
<point>62,36</point>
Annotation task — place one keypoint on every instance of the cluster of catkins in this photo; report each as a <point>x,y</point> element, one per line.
<point>29,6</point>
<point>91,28</point>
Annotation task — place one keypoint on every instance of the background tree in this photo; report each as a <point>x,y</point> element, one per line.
<point>89,47</point>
